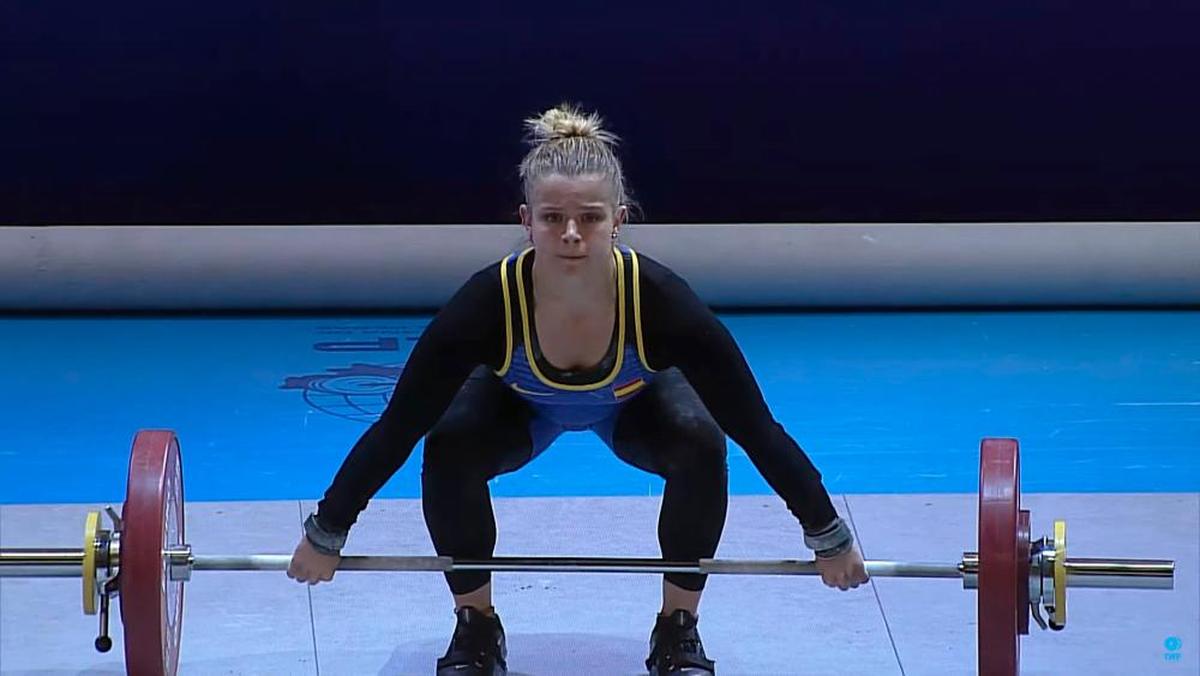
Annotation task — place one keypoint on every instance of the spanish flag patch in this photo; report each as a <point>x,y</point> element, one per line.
<point>628,388</point>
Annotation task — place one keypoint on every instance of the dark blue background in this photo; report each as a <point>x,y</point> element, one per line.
<point>286,112</point>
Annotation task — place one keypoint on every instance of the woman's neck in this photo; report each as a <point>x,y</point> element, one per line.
<point>588,288</point>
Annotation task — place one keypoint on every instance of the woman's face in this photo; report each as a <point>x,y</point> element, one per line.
<point>572,221</point>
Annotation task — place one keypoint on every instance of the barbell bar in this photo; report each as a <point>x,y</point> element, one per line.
<point>1081,573</point>
<point>145,562</point>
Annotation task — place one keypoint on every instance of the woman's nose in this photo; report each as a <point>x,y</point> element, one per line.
<point>571,234</point>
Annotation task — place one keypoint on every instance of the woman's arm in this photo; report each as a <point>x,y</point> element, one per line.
<point>467,332</point>
<point>681,331</point>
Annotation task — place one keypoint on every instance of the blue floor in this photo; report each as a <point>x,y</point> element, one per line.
<point>884,403</point>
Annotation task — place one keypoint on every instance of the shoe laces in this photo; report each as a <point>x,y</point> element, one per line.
<point>680,650</point>
<point>473,639</point>
<point>688,645</point>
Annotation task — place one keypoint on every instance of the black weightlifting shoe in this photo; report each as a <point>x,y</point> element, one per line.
<point>675,647</point>
<point>477,647</point>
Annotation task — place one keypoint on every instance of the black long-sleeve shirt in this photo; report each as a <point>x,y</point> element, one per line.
<point>678,330</point>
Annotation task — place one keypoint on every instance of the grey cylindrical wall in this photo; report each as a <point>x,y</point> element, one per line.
<point>734,265</point>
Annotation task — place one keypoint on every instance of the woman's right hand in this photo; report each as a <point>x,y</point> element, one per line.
<point>309,565</point>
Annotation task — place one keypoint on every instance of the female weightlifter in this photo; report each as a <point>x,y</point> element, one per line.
<point>575,332</point>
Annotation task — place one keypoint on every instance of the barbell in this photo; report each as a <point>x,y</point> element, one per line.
<point>144,560</point>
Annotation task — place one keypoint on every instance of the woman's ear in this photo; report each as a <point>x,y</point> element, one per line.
<point>526,221</point>
<point>619,220</point>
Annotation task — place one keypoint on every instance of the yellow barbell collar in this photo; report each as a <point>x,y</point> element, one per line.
<point>91,527</point>
<point>1059,616</point>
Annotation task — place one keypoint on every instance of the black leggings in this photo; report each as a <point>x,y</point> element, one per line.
<point>665,430</point>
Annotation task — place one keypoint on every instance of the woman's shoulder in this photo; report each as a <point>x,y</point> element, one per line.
<point>480,289</point>
<point>488,273</point>
<point>666,297</point>
<point>658,276</point>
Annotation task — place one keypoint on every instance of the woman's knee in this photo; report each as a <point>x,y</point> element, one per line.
<point>697,445</point>
<point>451,447</point>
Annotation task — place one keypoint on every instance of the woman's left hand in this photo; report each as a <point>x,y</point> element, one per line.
<point>845,571</point>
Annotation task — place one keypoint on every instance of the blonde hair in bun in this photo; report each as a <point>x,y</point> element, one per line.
<point>566,141</point>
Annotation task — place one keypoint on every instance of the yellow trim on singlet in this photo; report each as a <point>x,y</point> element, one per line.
<point>629,389</point>
<point>620,263</point>
<point>637,311</point>
<point>508,337</point>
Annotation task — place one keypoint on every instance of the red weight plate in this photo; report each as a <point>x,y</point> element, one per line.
<point>1023,547</point>
<point>152,605</point>
<point>999,573</point>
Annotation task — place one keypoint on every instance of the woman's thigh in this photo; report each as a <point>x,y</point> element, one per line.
<point>667,427</point>
<point>484,429</point>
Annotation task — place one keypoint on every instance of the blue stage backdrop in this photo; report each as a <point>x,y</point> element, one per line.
<point>400,112</point>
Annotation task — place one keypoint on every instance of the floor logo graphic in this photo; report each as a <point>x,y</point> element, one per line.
<point>1172,644</point>
<point>359,392</point>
